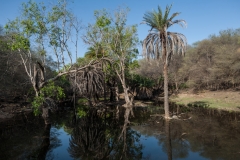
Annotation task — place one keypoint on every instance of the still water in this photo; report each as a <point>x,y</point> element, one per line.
<point>194,134</point>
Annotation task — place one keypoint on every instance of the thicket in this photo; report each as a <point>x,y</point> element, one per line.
<point>214,63</point>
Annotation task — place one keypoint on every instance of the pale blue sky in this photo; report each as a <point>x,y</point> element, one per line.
<point>203,17</point>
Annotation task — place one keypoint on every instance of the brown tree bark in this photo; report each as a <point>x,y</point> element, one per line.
<point>166,102</point>
<point>45,115</point>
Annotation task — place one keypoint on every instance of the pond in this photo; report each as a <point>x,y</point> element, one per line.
<point>195,133</point>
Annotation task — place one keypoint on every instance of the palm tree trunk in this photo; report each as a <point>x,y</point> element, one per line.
<point>165,74</point>
<point>166,103</point>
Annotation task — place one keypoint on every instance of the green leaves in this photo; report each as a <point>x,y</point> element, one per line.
<point>140,81</point>
<point>102,18</point>
<point>19,42</point>
<point>103,21</point>
<point>48,91</point>
<point>159,21</point>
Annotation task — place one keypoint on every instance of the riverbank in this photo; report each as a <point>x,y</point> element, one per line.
<point>10,109</point>
<point>223,100</point>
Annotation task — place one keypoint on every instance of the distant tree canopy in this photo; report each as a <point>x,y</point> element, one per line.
<point>212,63</point>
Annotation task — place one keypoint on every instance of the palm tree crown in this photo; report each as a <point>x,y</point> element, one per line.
<point>159,43</point>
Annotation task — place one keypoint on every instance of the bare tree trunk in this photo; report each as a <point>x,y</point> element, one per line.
<point>126,96</point>
<point>45,115</point>
<point>74,95</point>
<point>104,87</point>
<point>117,112</point>
<point>116,93</point>
<point>121,76</point>
<point>166,103</point>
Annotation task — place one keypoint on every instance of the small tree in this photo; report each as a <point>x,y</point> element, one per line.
<point>117,40</point>
<point>161,44</point>
<point>50,30</point>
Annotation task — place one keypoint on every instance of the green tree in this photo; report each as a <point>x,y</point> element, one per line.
<point>161,44</point>
<point>213,63</point>
<point>117,40</point>
<point>50,30</point>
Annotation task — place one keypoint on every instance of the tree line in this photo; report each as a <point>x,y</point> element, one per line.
<point>209,64</point>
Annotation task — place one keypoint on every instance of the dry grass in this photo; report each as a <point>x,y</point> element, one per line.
<point>226,100</point>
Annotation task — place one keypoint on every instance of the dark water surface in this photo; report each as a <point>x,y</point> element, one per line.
<point>196,134</point>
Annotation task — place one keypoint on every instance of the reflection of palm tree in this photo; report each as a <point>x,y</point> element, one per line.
<point>95,137</point>
<point>168,139</point>
<point>163,44</point>
<point>173,144</point>
<point>88,139</point>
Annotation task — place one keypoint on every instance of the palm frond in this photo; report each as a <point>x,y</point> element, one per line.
<point>167,11</point>
<point>153,44</point>
<point>181,22</point>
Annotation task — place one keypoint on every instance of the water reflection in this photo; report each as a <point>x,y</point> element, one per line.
<point>194,134</point>
<point>199,134</point>
<point>43,149</point>
<point>27,137</point>
<point>100,137</point>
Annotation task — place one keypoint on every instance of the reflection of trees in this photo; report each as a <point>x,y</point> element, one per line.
<point>204,134</point>
<point>213,132</point>
<point>96,137</point>
<point>42,152</point>
<point>179,145</point>
<point>173,143</point>
<point>208,132</point>
<point>127,139</point>
<point>55,142</point>
<point>168,139</point>
<point>88,138</point>
<point>26,137</point>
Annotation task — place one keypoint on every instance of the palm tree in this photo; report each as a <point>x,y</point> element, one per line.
<point>161,44</point>
<point>89,81</point>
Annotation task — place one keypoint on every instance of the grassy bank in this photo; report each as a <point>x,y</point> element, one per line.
<point>225,100</point>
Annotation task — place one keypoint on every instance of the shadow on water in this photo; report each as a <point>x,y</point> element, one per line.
<point>194,133</point>
<point>26,137</point>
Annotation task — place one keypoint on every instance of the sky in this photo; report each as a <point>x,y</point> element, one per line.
<point>203,17</point>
